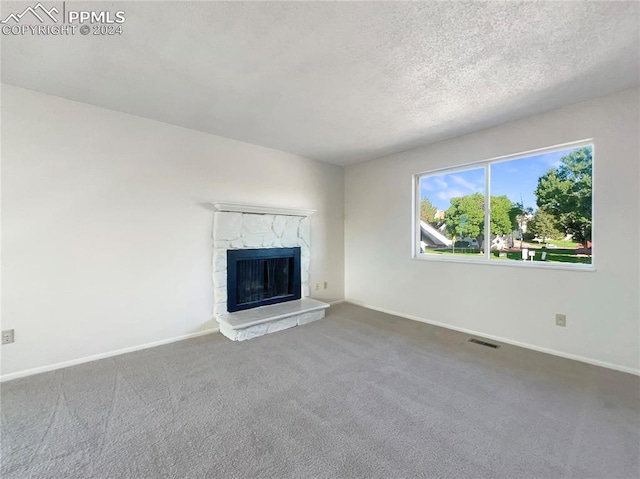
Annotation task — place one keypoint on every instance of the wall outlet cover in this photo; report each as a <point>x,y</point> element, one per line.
<point>8,336</point>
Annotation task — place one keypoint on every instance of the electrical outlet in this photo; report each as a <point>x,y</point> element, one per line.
<point>325,285</point>
<point>317,286</point>
<point>561,320</point>
<point>8,336</point>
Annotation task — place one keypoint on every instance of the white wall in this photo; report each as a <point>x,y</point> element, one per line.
<point>506,302</point>
<point>106,229</point>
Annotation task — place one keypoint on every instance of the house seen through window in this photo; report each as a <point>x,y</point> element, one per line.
<point>535,208</point>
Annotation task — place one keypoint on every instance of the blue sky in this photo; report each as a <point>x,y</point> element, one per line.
<point>515,178</point>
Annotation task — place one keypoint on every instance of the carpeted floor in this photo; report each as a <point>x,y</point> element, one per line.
<point>360,394</point>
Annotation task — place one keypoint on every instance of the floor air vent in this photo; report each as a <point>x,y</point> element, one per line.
<point>484,343</point>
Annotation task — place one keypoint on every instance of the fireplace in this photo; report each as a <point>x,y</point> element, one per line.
<point>261,259</point>
<point>258,277</point>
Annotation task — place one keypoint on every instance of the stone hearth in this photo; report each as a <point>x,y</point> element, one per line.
<point>252,323</point>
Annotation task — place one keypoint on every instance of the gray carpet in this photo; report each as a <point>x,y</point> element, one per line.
<point>358,395</point>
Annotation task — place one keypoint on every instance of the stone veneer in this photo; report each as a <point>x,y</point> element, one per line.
<point>239,230</point>
<point>252,323</point>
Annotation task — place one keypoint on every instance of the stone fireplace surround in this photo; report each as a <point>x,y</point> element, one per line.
<point>237,226</point>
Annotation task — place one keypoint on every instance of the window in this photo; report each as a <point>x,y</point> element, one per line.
<point>531,209</point>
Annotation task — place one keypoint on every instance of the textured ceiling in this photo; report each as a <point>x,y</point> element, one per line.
<point>338,82</point>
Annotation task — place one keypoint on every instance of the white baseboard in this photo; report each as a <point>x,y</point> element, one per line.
<point>553,352</point>
<point>95,357</point>
<point>337,301</point>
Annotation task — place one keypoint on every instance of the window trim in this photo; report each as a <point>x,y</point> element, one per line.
<point>485,164</point>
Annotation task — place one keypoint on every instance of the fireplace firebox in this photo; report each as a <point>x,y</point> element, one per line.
<point>258,277</point>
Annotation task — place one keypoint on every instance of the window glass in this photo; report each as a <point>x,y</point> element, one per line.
<point>452,212</point>
<point>540,209</point>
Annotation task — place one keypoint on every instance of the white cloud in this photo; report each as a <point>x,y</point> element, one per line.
<point>464,183</point>
<point>451,193</point>
<point>552,160</point>
<point>434,183</point>
<point>440,182</point>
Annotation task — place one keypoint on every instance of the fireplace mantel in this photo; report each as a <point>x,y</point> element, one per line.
<point>261,209</point>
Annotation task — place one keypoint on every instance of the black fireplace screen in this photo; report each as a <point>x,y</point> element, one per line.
<point>257,277</point>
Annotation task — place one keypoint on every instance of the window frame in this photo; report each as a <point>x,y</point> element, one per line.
<point>486,166</point>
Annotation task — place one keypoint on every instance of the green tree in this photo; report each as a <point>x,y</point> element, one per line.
<point>503,220</point>
<point>427,211</point>
<point>566,193</point>
<point>465,216</point>
<point>544,225</point>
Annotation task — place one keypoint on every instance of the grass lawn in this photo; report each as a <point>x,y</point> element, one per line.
<point>559,243</point>
<point>564,243</point>
<point>458,251</point>
<point>554,255</point>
